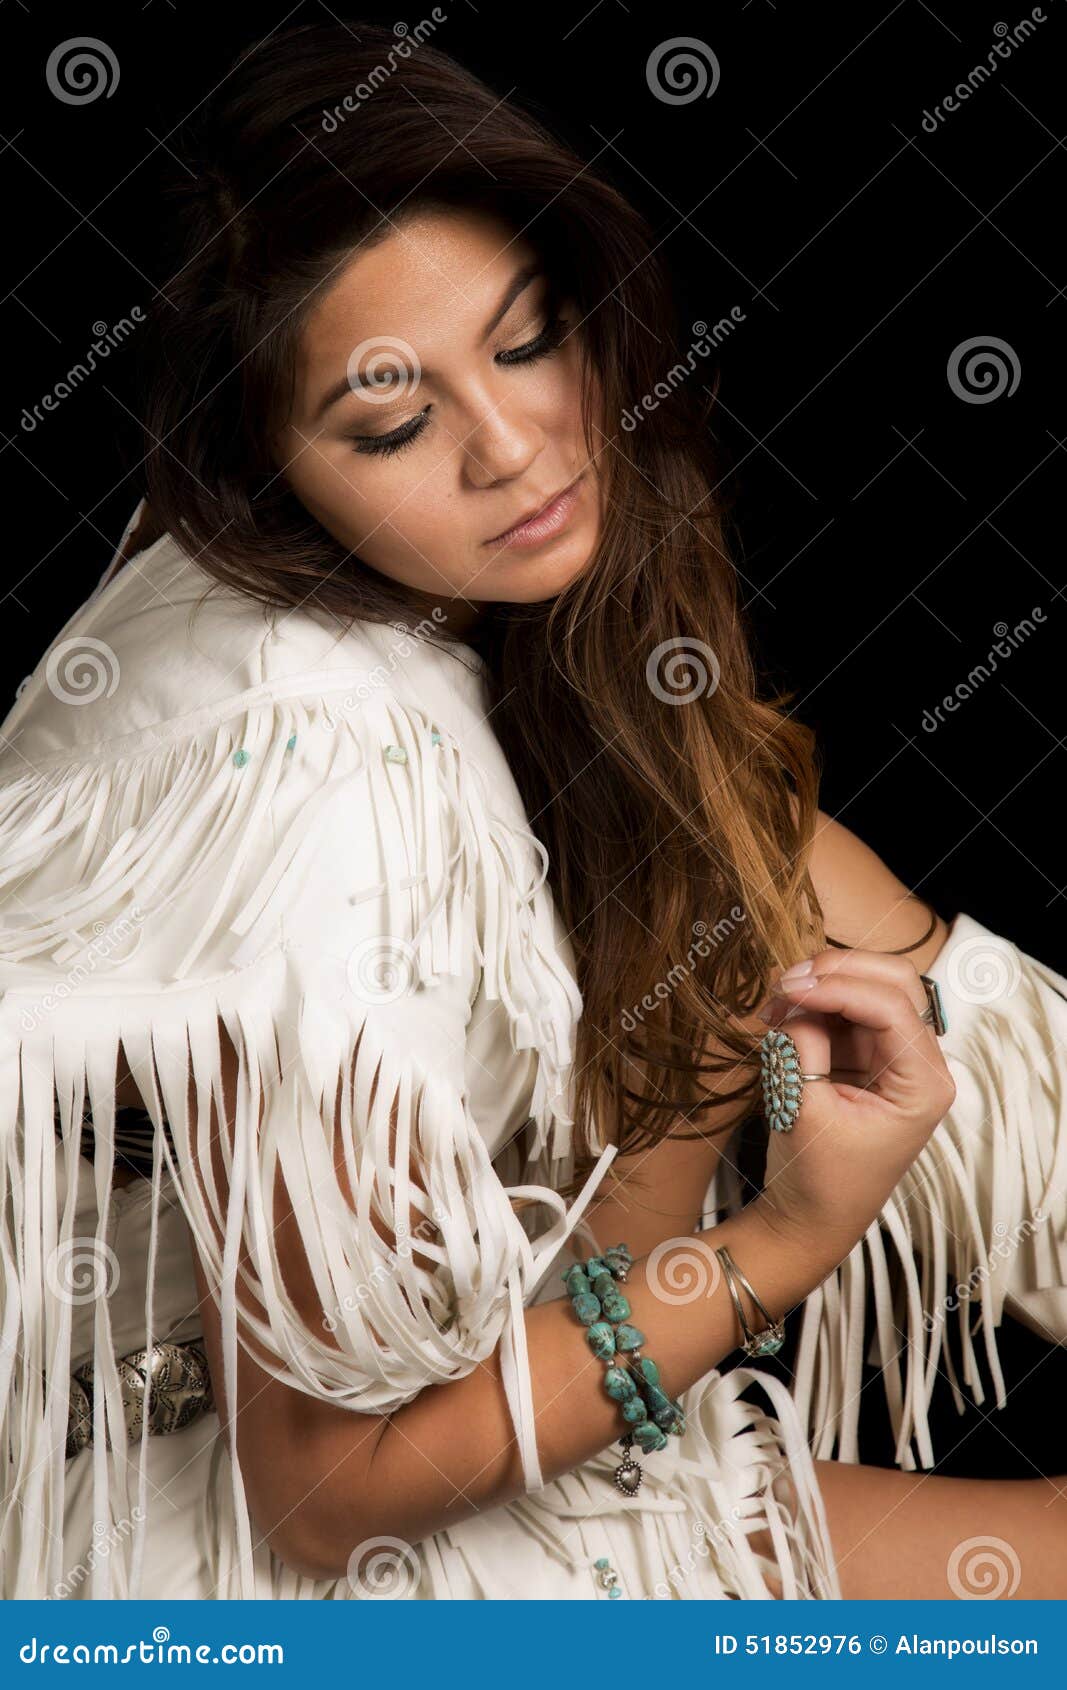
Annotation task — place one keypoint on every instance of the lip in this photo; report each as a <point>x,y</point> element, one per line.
<point>543,523</point>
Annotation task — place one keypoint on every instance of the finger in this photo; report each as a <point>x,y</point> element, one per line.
<point>905,1056</point>
<point>811,1035</point>
<point>870,965</point>
<point>850,1046</point>
<point>779,1009</point>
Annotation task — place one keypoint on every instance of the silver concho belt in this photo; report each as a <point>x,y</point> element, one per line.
<point>179,1393</point>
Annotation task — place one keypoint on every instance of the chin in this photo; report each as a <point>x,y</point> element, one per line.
<point>530,577</point>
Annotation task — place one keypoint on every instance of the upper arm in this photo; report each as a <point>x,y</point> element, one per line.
<point>864,904</point>
<point>277,1425</point>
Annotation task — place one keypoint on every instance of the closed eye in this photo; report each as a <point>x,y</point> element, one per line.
<point>543,345</point>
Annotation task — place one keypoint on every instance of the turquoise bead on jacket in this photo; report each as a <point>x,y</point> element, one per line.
<point>615,1306</point>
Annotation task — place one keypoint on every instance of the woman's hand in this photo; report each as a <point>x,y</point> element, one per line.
<point>856,1016</point>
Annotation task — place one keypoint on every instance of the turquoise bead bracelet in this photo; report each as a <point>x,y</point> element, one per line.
<point>604,1311</point>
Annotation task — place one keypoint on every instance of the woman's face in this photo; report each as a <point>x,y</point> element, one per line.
<point>436,407</point>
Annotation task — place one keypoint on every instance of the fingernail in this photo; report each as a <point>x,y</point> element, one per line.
<point>798,969</point>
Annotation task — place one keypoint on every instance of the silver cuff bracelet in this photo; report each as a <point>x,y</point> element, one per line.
<point>180,1392</point>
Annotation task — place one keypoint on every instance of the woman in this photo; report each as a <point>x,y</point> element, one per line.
<point>386,925</point>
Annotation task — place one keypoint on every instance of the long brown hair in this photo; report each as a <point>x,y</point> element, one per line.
<point>676,805</point>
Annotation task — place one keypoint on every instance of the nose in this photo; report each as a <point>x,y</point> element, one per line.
<point>502,444</point>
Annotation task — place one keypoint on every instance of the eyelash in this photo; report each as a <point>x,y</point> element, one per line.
<point>542,346</point>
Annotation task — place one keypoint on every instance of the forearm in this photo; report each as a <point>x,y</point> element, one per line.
<point>658,1192</point>
<point>451,1452</point>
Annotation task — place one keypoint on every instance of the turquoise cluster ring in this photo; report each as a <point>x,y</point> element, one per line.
<point>782,1080</point>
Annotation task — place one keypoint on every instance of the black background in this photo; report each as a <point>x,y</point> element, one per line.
<point>886,525</point>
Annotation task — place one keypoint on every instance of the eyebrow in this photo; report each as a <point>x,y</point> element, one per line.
<point>518,284</point>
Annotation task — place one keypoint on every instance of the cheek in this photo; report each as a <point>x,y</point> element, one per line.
<point>565,425</point>
<point>347,502</point>
<point>382,507</point>
<point>549,395</point>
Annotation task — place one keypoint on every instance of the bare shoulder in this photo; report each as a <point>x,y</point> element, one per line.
<point>864,903</point>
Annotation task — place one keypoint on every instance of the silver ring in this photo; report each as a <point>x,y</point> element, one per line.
<point>934,1013</point>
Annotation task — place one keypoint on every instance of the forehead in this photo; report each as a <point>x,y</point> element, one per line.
<point>433,272</point>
